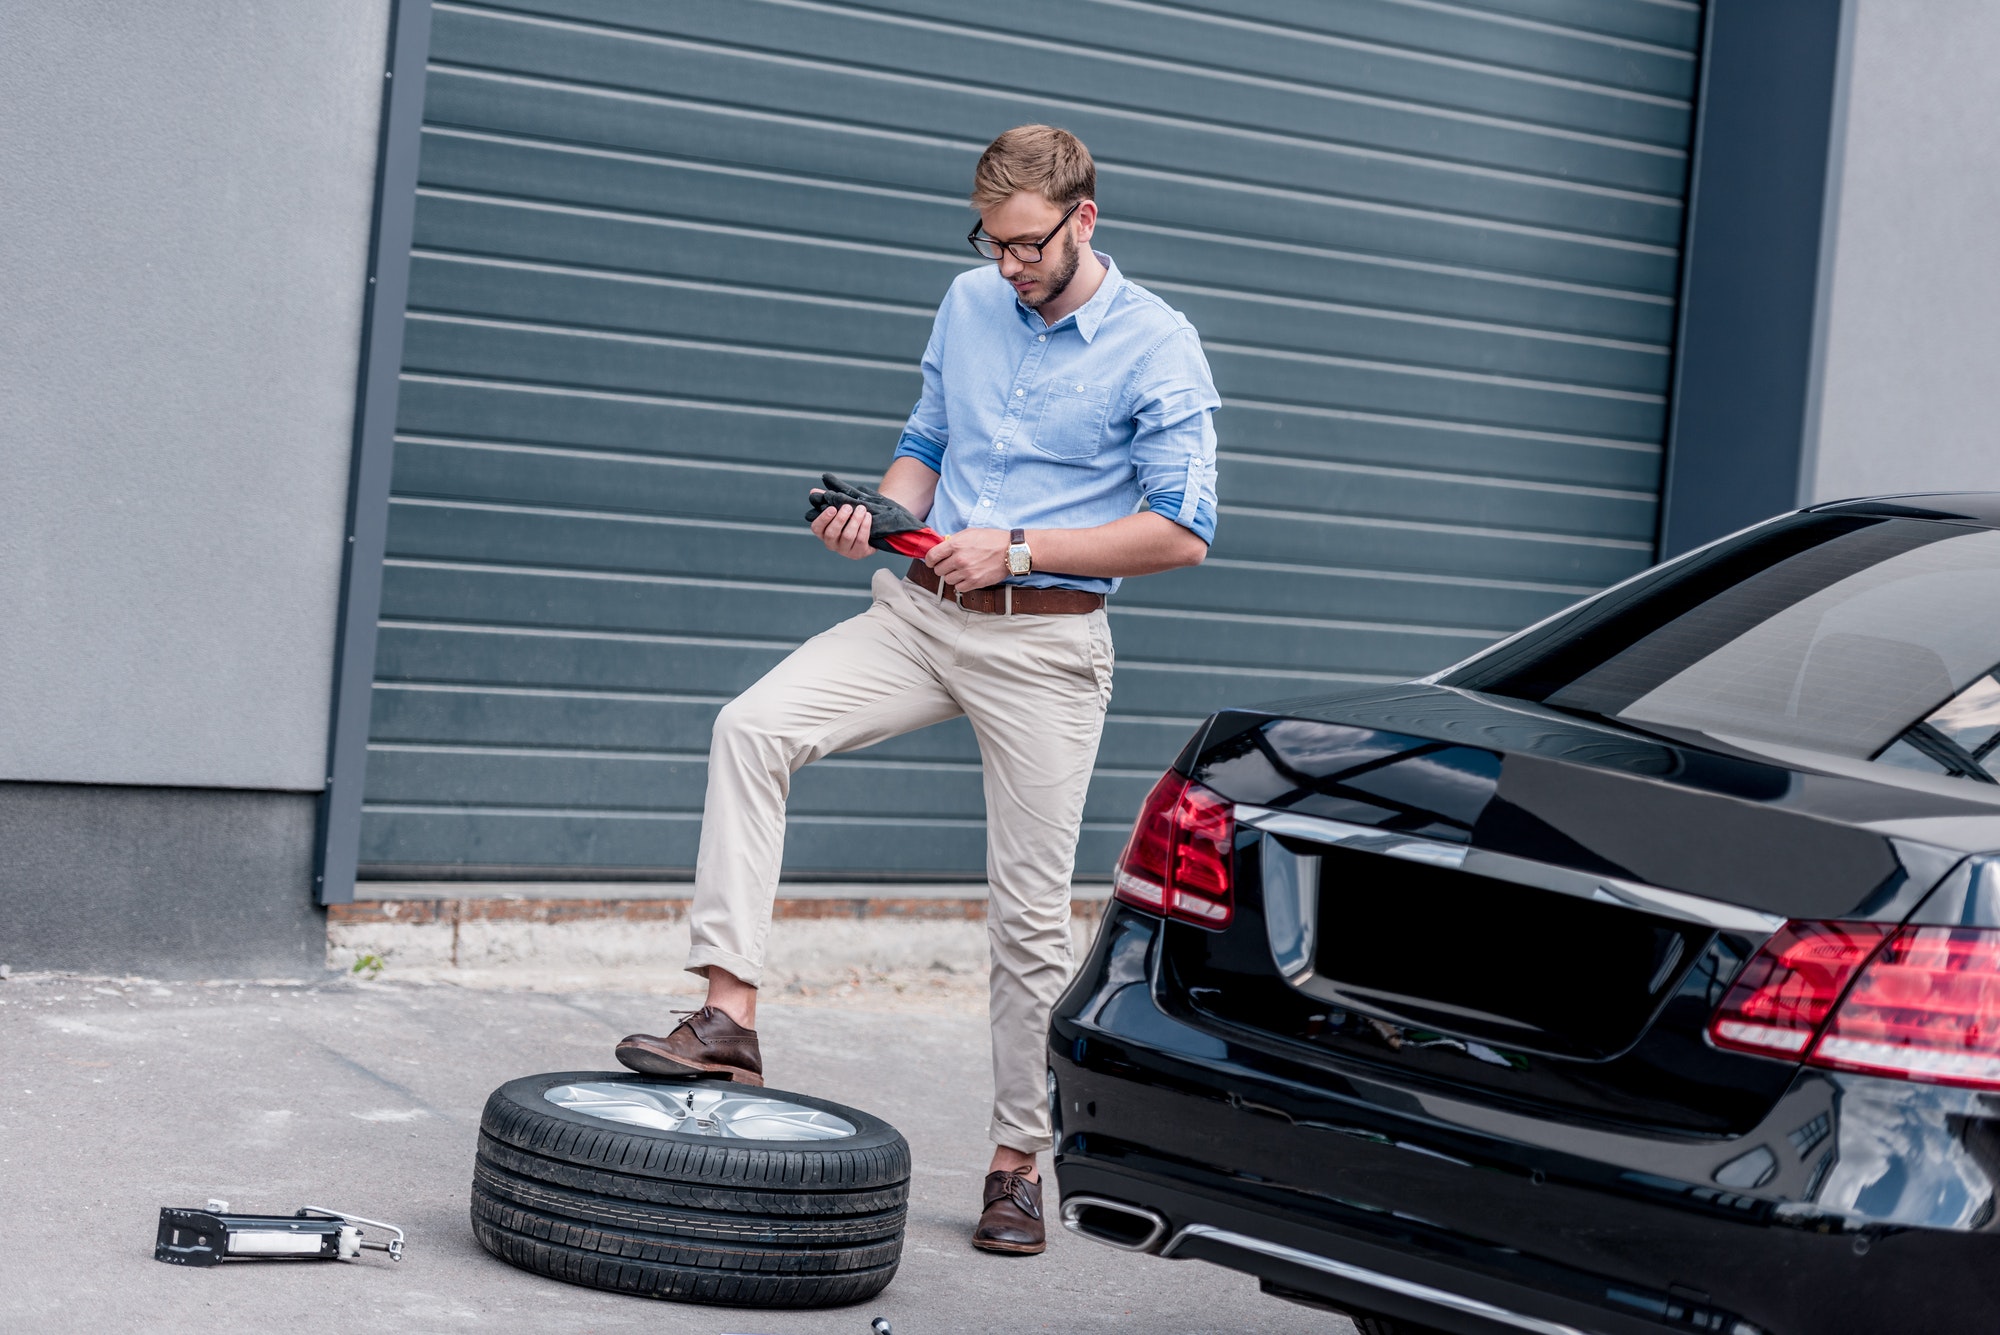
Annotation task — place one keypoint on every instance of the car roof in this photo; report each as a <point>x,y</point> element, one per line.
<point>1976,507</point>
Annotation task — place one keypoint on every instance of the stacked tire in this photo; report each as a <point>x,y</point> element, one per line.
<point>708,1217</point>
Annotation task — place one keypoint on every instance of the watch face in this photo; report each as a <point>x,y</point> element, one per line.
<point>1017,560</point>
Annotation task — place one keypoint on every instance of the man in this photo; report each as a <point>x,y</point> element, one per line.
<point>1063,441</point>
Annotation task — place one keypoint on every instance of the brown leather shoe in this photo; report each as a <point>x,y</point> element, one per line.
<point>1012,1219</point>
<point>706,1045</point>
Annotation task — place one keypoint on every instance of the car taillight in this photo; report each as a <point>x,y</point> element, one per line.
<point>1789,987</point>
<point>1922,1003</point>
<point>1177,861</point>
<point>1927,1007</point>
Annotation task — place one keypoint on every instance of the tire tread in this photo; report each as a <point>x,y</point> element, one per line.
<point>659,1249</point>
<point>645,1216</point>
<point>858,1167</point>
<point>652,1279</point>
<point>681,1216</point>
<point>688,1195</point>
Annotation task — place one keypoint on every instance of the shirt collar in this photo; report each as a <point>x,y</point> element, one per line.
<point>1091,314</point>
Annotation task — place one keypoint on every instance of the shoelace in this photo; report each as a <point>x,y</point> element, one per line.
<point>689,1025</point>
<point>1013,1187</point>
<point>693,1015</point>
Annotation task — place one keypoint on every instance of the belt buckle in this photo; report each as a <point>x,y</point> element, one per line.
<point>1007,606</point>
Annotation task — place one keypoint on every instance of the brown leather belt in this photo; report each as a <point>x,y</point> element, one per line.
<point>1003,599</point>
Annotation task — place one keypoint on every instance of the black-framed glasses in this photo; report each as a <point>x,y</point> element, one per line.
<point>1028,252</point>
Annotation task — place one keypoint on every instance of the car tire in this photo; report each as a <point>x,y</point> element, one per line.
<point>715,1218</point>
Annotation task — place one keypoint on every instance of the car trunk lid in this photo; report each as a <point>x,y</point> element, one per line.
<point>1444,936</point>
<point>1549,932</point>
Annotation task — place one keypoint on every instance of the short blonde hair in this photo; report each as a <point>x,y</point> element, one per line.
<point>1051,162</point>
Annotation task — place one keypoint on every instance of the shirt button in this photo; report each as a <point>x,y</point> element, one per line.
<point>1041,338</point>
<point>1019,392</point>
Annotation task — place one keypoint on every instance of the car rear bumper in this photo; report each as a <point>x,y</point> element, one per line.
<point>1338,1268</point>
<point>1344,1187</point>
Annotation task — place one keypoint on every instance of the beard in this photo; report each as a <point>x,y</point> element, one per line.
<point>1065,271</point>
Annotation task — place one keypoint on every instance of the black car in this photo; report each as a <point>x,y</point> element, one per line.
<point>1640,974</point>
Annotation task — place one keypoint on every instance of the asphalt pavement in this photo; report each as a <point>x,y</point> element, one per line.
<point>120,1096</point>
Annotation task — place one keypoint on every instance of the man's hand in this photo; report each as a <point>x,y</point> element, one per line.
<point>970,559</point>
<point>845,530</point>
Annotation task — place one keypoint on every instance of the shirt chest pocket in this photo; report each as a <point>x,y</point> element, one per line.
<point>1071,422</point>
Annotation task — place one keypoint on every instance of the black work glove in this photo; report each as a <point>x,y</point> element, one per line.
<point>891,528</point>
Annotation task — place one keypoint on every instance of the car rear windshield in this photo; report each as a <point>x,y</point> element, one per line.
<point>1851,635</point>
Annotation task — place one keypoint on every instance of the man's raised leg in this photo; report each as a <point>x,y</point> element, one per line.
<point>867,679</point>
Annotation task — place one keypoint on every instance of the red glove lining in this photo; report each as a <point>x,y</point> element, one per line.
<point>916,544</point>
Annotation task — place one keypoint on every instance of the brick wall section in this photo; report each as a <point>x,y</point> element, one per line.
<point>420,912</point>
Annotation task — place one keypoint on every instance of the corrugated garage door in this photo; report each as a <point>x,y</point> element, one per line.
<point>673,259</point>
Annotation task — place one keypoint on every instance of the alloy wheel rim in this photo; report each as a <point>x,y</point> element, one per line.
<point>702,1108</point>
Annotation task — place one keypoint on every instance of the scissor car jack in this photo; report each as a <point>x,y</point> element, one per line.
<point>213,1235</point>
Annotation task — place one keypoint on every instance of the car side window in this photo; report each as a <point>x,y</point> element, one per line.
<point>1960,738</point>
<point>1866,638</point>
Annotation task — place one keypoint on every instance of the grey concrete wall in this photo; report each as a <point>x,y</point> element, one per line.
<point>1910,396</point>
<point>185,195</point>
<point>165,882</point>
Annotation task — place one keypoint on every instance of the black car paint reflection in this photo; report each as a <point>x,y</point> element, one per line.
<point>1840,1168</point>
<point>1840,1152</point>
<point>1570,1168</point>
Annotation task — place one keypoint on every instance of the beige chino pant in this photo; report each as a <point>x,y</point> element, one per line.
<point>1035,689</point>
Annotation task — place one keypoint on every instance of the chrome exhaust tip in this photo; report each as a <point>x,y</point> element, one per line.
<point>1130,1228</point>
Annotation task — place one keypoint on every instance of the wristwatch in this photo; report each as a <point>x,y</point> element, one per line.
<point>1019,562</point>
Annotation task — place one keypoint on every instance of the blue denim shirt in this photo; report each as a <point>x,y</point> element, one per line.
<point>1070,425</point>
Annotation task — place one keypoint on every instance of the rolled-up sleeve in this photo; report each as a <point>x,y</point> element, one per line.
<point>928,430</point>
<point>1173,448</point>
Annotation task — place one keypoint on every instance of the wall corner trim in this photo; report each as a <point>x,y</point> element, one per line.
<point>1753,261</point>
<point>1829,245</point>
<point>337,840</point>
